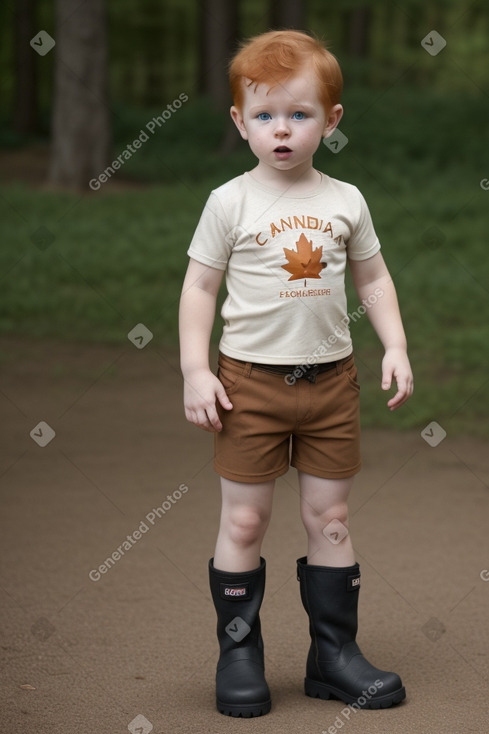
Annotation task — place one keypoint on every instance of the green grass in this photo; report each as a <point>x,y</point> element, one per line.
<point>119,258</point>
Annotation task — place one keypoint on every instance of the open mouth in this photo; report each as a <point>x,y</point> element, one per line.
<point>282,153</point>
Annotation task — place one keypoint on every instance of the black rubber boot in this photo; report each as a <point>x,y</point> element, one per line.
<point>336,667</point>
<point>241,688</point>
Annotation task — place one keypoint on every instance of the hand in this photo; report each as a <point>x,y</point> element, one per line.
<point>201,391</point>
<point>396,365</point>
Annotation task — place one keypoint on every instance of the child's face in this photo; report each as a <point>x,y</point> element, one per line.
<point>284,124</point>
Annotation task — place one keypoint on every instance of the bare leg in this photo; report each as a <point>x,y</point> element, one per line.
<point>245,515</point>
<point>324,508</point>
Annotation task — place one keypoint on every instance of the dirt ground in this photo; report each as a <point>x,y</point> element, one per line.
<point>131,647</point>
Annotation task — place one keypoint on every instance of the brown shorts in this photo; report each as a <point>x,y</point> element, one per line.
<point>312,426</point>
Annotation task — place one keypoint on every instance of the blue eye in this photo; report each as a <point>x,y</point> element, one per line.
<point>298,116</point>
<point>264,116</point>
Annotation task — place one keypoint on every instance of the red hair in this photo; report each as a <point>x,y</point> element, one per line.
<point>272,57</point>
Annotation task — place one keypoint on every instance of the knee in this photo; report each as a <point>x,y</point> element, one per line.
<point>246,526</point>
<point>316,521</point>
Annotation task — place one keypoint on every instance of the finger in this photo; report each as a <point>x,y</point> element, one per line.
<point>224,400</point>
<point>208,428</point>
<point>386,379</point>
<point>404,391</point>
<point>399,398</point>
<point>213,420</point>
<point>199,420</point>
<point>204,423</point>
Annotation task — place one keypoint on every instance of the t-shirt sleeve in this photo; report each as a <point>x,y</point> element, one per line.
<point>363,242</point>
<point>212,243</point>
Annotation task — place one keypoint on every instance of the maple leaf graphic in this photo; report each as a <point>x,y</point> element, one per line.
<point>305,262</point>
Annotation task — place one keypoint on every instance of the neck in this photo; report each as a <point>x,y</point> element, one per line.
<point>295,180</point>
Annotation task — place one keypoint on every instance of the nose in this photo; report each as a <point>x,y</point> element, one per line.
<point>282,129</point>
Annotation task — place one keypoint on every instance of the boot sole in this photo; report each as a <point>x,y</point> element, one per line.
<point>246,711</point>
<point>314,689</point>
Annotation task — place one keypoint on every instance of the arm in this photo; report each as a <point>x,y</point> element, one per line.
<point>197,311</point>
<point>385,317</point>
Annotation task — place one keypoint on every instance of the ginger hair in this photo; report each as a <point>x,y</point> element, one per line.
<point>272,57</point>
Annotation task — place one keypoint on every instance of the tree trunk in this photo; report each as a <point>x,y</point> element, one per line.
<point>287,14</point>
<point>359,32</point>
<point>219,29</point>
<point>81,120</point>
<point>156,23</point>
<point>25,109</point>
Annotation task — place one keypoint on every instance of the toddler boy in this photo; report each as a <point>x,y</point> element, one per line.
<point>286,392</point>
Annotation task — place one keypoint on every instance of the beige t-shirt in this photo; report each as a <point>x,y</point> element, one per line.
<point>285,259</point>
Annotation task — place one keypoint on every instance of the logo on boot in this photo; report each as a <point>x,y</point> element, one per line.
<point>235,591</point>
<point>353,583</point>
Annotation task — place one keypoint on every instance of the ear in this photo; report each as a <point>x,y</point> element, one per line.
<point>238,121</point>
<point>334,117</point>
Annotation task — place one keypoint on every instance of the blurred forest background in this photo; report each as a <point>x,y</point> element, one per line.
<point>87,82</point>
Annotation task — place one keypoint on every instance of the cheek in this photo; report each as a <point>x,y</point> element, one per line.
<point>256,140</point>
<point>312,135</point>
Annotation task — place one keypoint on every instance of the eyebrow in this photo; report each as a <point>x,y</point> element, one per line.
<point>292,105</point>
